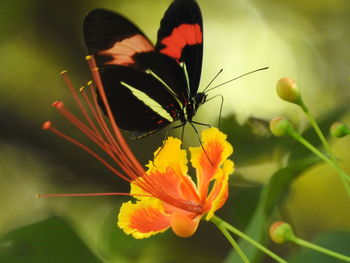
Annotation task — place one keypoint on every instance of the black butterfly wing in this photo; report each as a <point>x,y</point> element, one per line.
<point>125,55</point>
<point>113,39</point>
<point>140,102</point>
<point>180,37</point>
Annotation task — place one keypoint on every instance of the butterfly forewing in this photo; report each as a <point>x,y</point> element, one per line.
<point>180,36</point>
<point>113,39</point>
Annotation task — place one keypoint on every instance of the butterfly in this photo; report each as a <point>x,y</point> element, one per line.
<point>149,86</point>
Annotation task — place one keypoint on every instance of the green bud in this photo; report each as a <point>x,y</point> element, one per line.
<point>288,90</point>
<point>281,232</point>
<point>280,126</point>
<point>339,129</point>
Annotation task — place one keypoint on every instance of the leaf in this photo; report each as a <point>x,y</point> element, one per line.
<point>279,183</point>
<point>51,240</point>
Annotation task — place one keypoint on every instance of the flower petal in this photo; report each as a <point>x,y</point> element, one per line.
<point>167,177</point>
<point>169,155</point>
<point>176,190</point>
<point>137,192</point>
<point>219,193</point>
<point>143,218</point>
<point>207,161</point>
<point>183,225</point>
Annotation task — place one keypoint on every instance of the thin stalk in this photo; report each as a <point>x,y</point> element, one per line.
<point>231,240</point>
<point>343,175</point>
<point>316,127</point>
<point>237,232</point>
<point>323,250</point>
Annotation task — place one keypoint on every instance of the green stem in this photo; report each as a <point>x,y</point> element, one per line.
<point>231,240</point>
<point>308,145</point>
<point>332,161</point>
<point>323,250</point>
<point>216,220</point>
<point>343,176</point>
<point>316,127</point>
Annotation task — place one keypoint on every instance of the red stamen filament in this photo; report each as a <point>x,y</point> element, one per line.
<point>47,126</point>
<point>89,194</point>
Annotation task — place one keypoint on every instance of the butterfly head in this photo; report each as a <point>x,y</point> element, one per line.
<point>199,98</point>
<point>194,104</point>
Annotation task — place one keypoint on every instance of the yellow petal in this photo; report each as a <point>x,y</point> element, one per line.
<point>143,218</point>
<point>211,137</point>
<point>169,155</point>
<point>208,161</point>
<point>219,191</point>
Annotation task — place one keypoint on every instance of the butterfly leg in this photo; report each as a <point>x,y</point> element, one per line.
<point>178,126</point>
<point>200,123</point>
<point>191,122</point>
<point>163,144</point>
<point>183,132</point>
<point>183,124</point>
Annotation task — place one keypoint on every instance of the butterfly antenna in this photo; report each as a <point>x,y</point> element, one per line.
<point>212,80</point>
<point>221,105</point>
<point>245,74</point>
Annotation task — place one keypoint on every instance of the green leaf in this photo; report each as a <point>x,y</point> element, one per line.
<point>279,183</point>
<point>255,133</point>
<point>336,241</point>
<point>51,240</point>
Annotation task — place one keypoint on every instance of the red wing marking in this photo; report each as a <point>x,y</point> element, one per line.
<point>123,51</point>
<point>185,34</point>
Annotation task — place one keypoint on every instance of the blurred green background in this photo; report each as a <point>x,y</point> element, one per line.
<point>307,41</point>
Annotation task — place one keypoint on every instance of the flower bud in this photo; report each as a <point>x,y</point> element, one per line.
<point>280,126</point>
<point>287,90</point>
<point>339,129</point>
<point>281,232</point>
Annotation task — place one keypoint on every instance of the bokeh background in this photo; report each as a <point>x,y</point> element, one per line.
<point>305,40</point>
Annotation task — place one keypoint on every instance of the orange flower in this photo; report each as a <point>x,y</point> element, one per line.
<point>171,198</point>
<point>165,195</point>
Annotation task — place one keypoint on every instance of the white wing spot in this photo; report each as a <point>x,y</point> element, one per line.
<point>148,101</point>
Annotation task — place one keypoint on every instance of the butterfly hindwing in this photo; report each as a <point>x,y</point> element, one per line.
<point>180,36</point>
<point>146,105</point>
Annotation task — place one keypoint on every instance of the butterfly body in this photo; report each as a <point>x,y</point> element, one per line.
<point>149,86</point>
